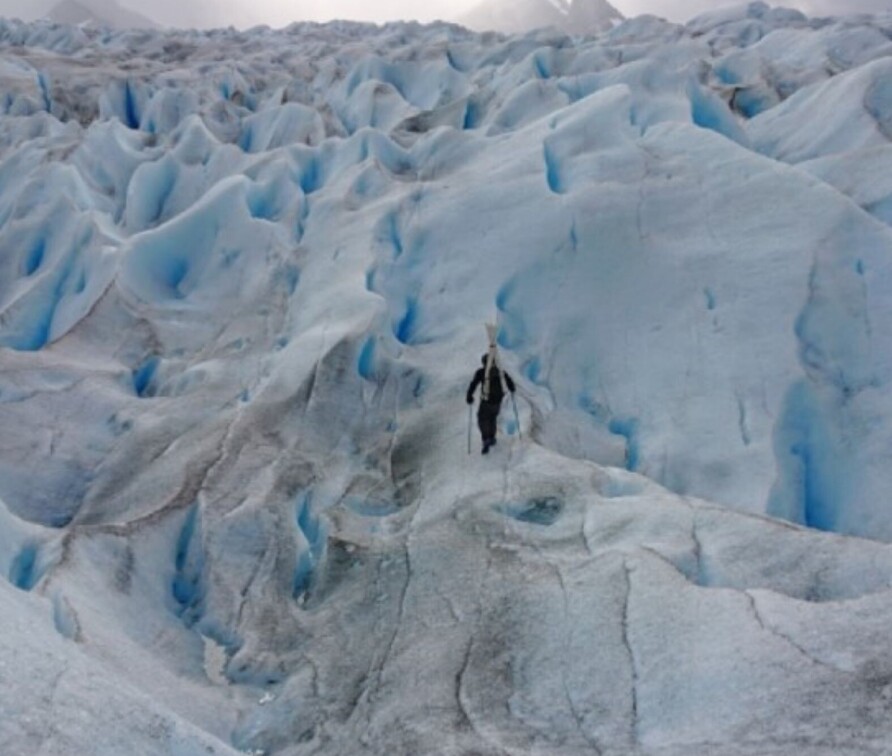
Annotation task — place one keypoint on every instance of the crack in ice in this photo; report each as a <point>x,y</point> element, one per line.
<point>634,724</point>
<point>757,615</point>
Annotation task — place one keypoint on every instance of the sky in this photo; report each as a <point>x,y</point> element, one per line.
<point>243,13</point>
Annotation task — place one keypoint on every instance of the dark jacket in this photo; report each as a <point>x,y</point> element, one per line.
<point>496,392</point>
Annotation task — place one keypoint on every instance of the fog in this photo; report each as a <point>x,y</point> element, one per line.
<point>244,13</point>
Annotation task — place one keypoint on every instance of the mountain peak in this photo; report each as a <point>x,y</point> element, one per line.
<point>98,13</point>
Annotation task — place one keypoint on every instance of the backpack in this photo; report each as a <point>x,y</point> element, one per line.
<point>492,389</point>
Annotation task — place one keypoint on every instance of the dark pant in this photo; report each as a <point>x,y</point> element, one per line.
<point>487,415</point>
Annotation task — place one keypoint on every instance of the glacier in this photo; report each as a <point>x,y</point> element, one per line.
<point>243,279</point>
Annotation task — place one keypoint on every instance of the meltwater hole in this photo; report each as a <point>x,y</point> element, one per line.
<point>544,510</point>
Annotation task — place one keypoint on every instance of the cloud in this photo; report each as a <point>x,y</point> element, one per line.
<point>282,12</point>
<point>385,10</point>
<point>244,13</point>
<point>684,10</point>
<point>835,7</point>
<point>23,9</point>
<point>204,13</point>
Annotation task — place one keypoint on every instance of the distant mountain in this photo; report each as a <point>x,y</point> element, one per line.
<point>98,13</point>
<point>572,16</point>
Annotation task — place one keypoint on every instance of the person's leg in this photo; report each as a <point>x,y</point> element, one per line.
<point>482,421</point>
<point>487,417</point>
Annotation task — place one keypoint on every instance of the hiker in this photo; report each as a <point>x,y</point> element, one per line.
<point>491,395</point>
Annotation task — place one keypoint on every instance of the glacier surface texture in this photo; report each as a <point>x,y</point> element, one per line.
<point>243,279</point>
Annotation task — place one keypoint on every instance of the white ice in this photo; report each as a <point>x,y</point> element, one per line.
<point>243,281</point>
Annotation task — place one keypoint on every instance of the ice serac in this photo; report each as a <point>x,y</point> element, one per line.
<point>242,282</point>
<point>54,696</point>
<point>852,111</point>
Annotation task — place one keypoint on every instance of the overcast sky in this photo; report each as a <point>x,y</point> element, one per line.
<point>281,12</point>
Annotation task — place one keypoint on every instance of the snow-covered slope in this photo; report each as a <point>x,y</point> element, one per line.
<point>243,278</point>
<point>572,16</point>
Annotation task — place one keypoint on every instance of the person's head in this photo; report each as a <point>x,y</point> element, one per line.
<point>484,358</point>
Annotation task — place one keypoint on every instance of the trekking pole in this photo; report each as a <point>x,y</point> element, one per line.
<point>470,411</point>
<point>516,417</point>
